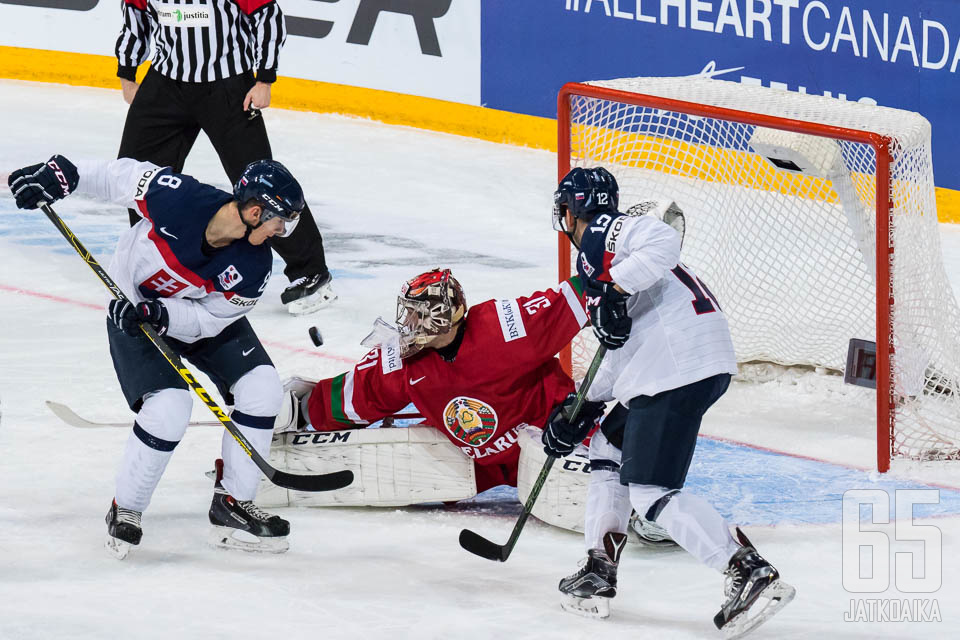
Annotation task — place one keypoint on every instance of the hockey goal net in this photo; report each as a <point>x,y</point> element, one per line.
<point>813,220</point>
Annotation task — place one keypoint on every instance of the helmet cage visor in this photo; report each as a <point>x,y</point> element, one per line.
<point>425,310</point>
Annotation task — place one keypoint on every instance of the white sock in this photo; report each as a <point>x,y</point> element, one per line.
<point>608,501</point>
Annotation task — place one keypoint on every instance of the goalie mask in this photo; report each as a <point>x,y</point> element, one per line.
<point>429,305</point>
<point>584,193</point>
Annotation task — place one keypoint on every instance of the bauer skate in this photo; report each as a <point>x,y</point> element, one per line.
<point>588,592</point>
<point>753,591</point>
<point>123,530</point>
<point>309,294</point>
<point>240,524</point>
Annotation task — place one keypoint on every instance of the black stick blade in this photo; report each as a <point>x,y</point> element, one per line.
<point>319,482</point>
<point>480,546</point>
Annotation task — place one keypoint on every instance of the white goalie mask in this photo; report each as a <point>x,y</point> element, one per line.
<point>429,305</point>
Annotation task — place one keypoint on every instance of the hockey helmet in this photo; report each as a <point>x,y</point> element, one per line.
<point>584,193</point>
<point>269,184</point>
<point>429,305</point>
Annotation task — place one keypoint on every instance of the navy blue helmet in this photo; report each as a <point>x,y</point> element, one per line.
<point>269,184</point>
<point>585,193</point>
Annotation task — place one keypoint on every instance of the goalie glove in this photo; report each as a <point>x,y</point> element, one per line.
<point>608,313</point>
<point>561,436</point>
<point>38,183</point>
<point>128,315</point>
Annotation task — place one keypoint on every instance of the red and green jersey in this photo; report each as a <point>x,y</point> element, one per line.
<point>505,375</point>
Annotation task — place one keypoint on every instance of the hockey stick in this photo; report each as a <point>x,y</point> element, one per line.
<point>320,482</point>
<point>70,417</point>
<point>480,546</point>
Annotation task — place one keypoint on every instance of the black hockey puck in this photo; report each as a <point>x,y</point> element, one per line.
<point>316,337</point>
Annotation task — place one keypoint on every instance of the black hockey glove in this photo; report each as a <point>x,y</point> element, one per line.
<point>128,315</point>
<point>560,436</point>
<point>48,182</point>
<point>608,313</point>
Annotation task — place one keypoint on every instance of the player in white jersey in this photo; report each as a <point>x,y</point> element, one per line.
<point>192,267</point>
<point>670,358</point>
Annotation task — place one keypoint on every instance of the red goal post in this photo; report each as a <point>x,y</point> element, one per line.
<point>651,137</point>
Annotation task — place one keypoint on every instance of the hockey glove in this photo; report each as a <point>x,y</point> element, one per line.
<point>608,313</point>
<point>39,183</point>
<point>128,315</point>
<point>560,436</point>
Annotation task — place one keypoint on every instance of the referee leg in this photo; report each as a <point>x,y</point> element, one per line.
<point>239,141</point>
<point>158,128</point>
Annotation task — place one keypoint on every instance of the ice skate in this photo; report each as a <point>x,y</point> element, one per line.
<point>588,592</point>
<point>306,295</point>
<point>123,530</point>
<point>240,524</point>
<point>753,591</point>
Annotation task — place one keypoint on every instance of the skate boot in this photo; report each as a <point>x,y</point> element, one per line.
<point>123,530</point>
<point>588,592</point>
<point>240,524</point>
<point>753,591</point>
<point>306,295</point>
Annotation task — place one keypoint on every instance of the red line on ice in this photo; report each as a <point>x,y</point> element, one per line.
<point>100,307</point>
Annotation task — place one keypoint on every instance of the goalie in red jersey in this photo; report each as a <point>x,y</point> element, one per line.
<point>477,377</point>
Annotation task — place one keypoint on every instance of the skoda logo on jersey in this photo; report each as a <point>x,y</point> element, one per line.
<point>469,420</point>
<point>229,278</point>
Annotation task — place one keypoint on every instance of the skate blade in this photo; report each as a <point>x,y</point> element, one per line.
<point>768,603</point>
<point>315,302</point>
<point>596,608</point>
<point>117,547</point>
<point>230,538</point>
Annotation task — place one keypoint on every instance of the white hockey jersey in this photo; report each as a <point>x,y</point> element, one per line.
<point>162,256</point>
<point>679,334</point>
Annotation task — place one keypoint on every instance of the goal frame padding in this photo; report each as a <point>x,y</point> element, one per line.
<point>884,254</point>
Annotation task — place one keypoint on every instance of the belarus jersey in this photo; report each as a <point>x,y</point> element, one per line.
<point>679,334</point>
<point>164,255</point>
<point>505,374</point>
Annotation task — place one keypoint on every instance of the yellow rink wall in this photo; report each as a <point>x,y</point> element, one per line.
<point>309,95</point>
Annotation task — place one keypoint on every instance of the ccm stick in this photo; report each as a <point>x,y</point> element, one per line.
<point>480,546</point>
<point>320,482</point>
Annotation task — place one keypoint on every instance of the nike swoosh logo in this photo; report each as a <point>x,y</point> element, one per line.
<point>248,351</point>
<point>711,71</point>
<point>413,382</point>
<point>164,231</point>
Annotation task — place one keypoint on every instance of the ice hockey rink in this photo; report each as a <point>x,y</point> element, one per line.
<point>391,201</point>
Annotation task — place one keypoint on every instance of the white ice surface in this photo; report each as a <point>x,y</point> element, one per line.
<point>391,201</point>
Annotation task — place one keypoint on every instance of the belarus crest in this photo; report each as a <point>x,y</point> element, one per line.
<point>469,420</point>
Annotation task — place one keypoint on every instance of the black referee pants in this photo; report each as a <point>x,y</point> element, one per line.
<point>163,123</point>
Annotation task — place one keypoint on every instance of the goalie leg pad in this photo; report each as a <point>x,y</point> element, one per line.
<point>392,467</point>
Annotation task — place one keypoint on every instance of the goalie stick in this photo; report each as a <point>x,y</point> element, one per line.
<point>480,546</point>
<point>70,417</point>
<point>321,482</point>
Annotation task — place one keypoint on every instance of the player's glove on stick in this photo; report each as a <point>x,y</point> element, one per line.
<point>560,436</point>
<point>128,315</point>
<point>39,183</point>
<point>608,313</point>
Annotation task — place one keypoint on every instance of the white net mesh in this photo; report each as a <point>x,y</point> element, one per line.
<point>788,246</point>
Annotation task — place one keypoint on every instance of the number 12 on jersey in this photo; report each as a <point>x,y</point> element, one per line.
<point>703,300</point>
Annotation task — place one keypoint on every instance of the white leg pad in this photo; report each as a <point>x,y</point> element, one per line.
<point>391,467</point>
<point>563,497</point>
<point>162,421</point>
